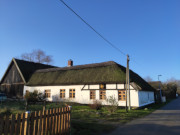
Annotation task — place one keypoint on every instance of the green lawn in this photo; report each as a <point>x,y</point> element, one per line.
<point>84,119</point>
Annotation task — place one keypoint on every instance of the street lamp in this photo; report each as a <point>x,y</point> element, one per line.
<point>160,88</point>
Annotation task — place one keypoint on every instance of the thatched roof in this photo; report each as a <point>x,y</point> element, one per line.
<point>106,72</point>
<point>25,68</point>
<point>28,68</point>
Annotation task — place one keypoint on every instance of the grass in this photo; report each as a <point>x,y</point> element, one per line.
<point>84,119</point>
<point>89,128</point>
<point>14,107</point>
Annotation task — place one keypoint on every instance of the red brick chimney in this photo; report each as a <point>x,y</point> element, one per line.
<point>70,63</point>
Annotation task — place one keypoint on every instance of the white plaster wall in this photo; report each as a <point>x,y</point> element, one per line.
<point>83,96</point>
<point>131,87</point>
<point>110,86</point>
<point>55,92</point>
<point>120,86</point>
<point>145,97</point>
<point>93,86</point>
<point>134,98</point>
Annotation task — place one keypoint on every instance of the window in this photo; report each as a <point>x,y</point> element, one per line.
<point>47,93</point>
<point>92,94</point>
<point>71,93</point>
<point>102,94</point>
<point>62,93</point>
<point>122,95</point>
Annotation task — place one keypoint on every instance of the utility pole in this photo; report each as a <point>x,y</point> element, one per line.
<point>126,83</point>
<point>128,101</point>
<point>128,79</point>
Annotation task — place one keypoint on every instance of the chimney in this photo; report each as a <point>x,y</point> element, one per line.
<point>70,63</point>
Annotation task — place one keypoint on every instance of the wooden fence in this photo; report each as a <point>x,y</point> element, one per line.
<point>49,122</point>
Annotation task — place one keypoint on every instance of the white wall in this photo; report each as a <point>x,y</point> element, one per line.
<point>145,98</point>
<point>83,96</point>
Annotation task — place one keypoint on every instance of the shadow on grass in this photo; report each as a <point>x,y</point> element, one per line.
<point>88,128</point>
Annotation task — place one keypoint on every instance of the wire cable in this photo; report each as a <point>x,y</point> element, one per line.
<point>105,39</point>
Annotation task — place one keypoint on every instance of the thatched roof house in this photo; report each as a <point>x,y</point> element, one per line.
<point>91,82</point>
<point>82,83</point>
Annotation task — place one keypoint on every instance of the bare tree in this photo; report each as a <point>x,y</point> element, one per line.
<point>172,79</point>
<point>28,56</point>
<point>148,79</point>
<point>37,56</point>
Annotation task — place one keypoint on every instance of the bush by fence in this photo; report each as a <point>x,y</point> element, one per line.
<point>53,121</point>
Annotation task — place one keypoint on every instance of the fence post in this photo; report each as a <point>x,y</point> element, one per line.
<point>6,127</point>
<point>36,122</point>
<point>22,124</point>
<point>51,119</point>
<point>32,123</point>
<point>55,122</point>
<point>40,123</point>
<point>68,111</point>
<point>18,124</point>
<point>1,125</point>
<point>60,122</point>
<point>69,120</point>
<point>47,122</point>
<point>65,120</point>
<point>12,124</point>
<point>25,123</point>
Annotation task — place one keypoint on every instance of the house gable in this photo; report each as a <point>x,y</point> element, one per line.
<point>12,82</point>
<point>17,74</point>
<point>12,75</point>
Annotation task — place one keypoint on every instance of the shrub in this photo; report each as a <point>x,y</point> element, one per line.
<point>34,96</point>
<point>112,104</point>
<point>96,105</point>
<point>169,90</point>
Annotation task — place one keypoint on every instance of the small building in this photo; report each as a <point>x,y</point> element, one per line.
<point>86,83</point>
<point>157,85</point>
<point>17,75</point>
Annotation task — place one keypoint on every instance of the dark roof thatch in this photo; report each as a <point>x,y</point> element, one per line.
<point>25,68</point>
<point>106,72</point>
<point>28,68</point>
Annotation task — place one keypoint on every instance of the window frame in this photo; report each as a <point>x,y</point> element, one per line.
<point>122,94</point>
<point>47,93</point>
<point>92,94</point>
<point>72,93</point>
<point>62,93</point>
<point>103,94</point>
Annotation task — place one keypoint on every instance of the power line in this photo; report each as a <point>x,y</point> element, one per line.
<point>105,39</point>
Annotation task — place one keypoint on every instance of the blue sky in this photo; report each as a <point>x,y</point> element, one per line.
<point>147,30</point>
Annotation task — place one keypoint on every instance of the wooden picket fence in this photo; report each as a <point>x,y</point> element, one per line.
<point>49,122</point>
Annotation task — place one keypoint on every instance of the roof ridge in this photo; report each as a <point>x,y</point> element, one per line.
<point>77,67</point>
<point>32,62</point>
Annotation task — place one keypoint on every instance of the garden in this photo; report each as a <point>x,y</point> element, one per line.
<point>85,119</point>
